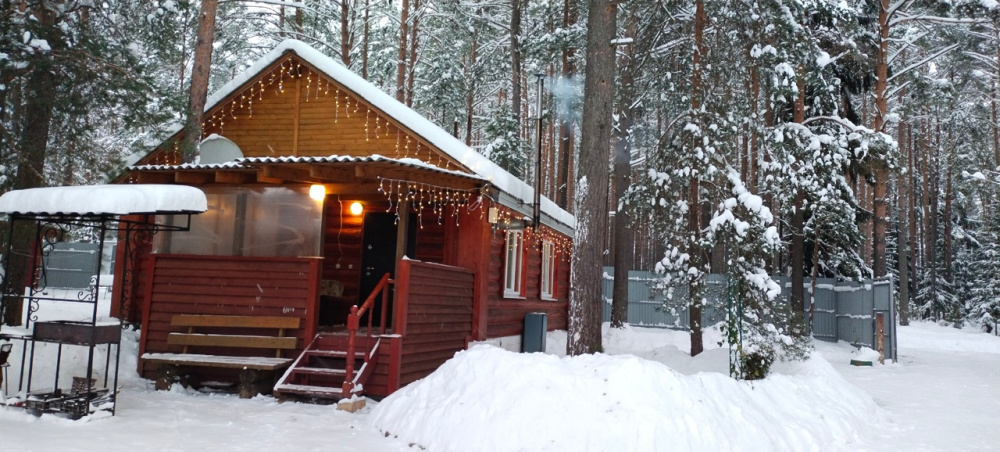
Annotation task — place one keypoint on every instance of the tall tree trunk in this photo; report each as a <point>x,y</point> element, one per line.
<point>345,34</point>
<point>404,23</point>
<point>40,99</point>
<point>903,263</point>
<point>412,62</point>
<point>695,285</point>
<point>584,325</point>
<point>623,243</point>
<point>199,78</point>
<point>564,179</point>
<point>364,44</point>
<point>932,233</point>
<point>996,120</point>
<point>949,270</point>
<point>516,7</point>
<point>797,226</point>
<point>470,96</point>
<point>881,193</point>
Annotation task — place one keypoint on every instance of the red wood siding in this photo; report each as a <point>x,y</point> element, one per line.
<point>434,316</point>
<point>184,284</point>
<point>506,315</point>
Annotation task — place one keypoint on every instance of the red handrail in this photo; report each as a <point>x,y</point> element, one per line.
<point>354,322</point>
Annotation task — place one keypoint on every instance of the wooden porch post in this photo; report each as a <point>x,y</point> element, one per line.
<point>402,232</point>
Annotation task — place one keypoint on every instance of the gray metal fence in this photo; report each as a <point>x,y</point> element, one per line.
<point>71,264</point>
<point>843,310</point>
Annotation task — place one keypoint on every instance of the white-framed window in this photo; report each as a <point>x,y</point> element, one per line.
<point>513,264</point>
<point>548,270</point>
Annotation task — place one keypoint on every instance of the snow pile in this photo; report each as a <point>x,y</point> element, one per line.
<point>489,399</point>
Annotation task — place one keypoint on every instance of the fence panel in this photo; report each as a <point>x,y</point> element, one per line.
<point>825,313</point>
<point>70,265</point>
<point>842,310</point>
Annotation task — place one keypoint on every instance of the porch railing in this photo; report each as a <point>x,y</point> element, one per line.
<point>353,324</point>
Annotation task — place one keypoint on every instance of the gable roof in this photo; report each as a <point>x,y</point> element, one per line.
<point>515,193</point>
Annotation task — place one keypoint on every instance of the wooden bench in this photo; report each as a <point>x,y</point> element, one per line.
<point>256,372</point>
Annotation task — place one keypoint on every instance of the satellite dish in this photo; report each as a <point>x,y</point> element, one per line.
<point>216,149</point>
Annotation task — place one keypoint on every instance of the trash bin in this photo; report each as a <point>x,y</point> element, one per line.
<point>533,337</point>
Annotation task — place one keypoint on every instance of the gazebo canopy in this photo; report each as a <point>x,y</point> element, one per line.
<point>104,200</point>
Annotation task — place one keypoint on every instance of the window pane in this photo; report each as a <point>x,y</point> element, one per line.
<point>241,221</point>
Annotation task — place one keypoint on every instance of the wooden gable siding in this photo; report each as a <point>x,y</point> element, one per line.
<point>505,316</point>
<point>434,316</point>
<point>214,285</point>
<point>305,114</point>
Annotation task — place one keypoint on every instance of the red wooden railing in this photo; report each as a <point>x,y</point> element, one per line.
<point>354,322</point>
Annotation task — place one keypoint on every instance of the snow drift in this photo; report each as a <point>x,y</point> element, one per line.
<point>490,399</point>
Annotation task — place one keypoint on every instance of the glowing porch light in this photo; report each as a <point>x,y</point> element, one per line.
<point>357,208</point>
<point>317,192</point>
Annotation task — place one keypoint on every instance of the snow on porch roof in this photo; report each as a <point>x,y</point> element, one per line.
<point>247,163</point>
<point>407,117</point>
<point>409,162</point>
<point>104,200</point>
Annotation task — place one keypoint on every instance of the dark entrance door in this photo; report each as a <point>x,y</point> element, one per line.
<point>378,256</point>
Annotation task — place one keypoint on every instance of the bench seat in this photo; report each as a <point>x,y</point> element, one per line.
<point>228,362</point>
<point>219,333</point>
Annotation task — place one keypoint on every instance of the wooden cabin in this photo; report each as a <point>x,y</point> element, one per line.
<point>325,193</point>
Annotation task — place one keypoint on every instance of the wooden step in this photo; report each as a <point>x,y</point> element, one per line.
<point>328,353</point>
<point>319,371</point>
<point>310,390</point>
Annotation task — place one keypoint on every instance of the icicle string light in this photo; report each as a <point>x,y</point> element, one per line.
<point>428,197</point>
<point>562,245</point>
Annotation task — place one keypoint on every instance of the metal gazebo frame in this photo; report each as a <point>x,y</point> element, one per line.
<point>84,397</point>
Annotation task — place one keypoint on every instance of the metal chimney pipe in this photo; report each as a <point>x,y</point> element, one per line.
<point>538,155</point>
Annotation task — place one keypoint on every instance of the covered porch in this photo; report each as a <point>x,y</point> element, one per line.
<point>280,239</point>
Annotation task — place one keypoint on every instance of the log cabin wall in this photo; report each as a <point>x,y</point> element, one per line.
<point>506,315</point>
<point>213,285</point>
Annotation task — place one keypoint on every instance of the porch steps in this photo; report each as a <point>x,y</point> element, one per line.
<point>319,371</point>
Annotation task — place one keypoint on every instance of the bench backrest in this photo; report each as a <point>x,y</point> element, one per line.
<point>277,342</point>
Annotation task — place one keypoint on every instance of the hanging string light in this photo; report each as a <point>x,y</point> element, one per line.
<point>436,199</point>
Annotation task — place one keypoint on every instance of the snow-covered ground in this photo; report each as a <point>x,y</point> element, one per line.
<point>646,394</point>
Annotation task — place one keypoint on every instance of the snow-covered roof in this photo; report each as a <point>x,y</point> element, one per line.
<point>405,116</point>
<point>104,199</point>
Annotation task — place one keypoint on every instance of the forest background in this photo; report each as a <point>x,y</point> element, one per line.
<point>808,138</point>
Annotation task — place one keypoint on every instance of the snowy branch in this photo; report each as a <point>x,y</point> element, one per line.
<point>923,61</point>
<point>938,20</point>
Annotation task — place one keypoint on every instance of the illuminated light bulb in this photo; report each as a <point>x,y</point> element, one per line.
<point>357,208</point>
<point>317,192</point>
